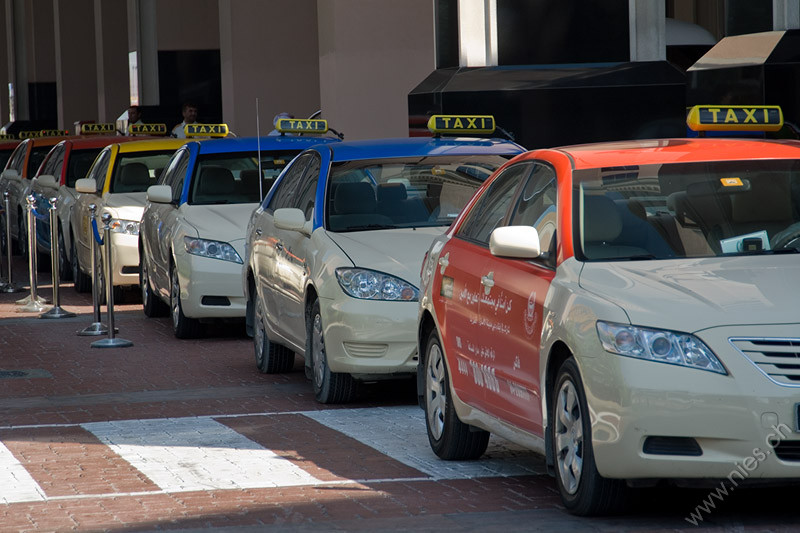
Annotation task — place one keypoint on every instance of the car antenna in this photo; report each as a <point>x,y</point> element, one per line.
<point>258,149</point>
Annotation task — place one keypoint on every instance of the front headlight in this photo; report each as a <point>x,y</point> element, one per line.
<point>213,249</point>
<point>372,285</point>
<point>658,345</point>
<point>126,227</point>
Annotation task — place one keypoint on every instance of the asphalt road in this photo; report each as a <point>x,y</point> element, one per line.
<point>188,435</point>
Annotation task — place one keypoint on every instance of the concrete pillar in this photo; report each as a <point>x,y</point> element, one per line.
<point>76,62</point>
<point>142,52</point>
<point>785,14</point>
<point>477,33</point>
<point>5,28</point>
<point>647,30</point>
<point>276,62</point>
<point>110,26</point>
<point>17,60</point>
<point>372,54</point>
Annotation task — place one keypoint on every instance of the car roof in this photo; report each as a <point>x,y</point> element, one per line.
<point>660,151</point>
<point>268,142</point>
<point>147,145</point>
<point>420,147</point>
<point>49,141</point>
<point>96,141</point>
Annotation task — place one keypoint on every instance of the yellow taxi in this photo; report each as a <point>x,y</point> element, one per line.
<point>116,183</point>
<point>628,309</point>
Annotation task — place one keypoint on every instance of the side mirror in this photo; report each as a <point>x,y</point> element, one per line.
<point>10,174</point>
<point>47,180</point>
<point>86,185</point>
<point>521,242</point>
<point>159,194</point>
<point>292,219</point>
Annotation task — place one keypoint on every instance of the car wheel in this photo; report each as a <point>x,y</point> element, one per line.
<point>183,326</point>
<point>329,387</point>
<point>449,437</point>
<point>83,283</point>
<point>152,304</point>
<point>271,358</point>
<point>64,267</point>
<point>583,490</point>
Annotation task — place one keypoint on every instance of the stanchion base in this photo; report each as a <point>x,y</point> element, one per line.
<point>11,287</point>
<point>96,328</point>
<point>27,300</point>
<point>57,312</point>
<point>32,307</point>
<point>116,342</point>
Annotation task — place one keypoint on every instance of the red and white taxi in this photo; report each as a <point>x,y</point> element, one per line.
<point>628,309</point>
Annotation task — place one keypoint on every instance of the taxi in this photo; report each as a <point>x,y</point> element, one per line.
<point>628,309</point>
<point>67,162</point>
<point>193,226</point>
<point>15,179</point>
<point>116,183</point>
<point>333,252</point>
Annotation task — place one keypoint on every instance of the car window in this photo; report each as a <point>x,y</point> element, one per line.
<point>284,194</point>
<point>491,208</point>
<point>18,157</point>
<point>179,176</point>
<point>536,205</point>
<point>54,161</point>
<point>5,155</point>
<point>78,164</point>
<point>136,171</point>
<point>100,168</point>
<point>307,189</point>
<point>38,153</point>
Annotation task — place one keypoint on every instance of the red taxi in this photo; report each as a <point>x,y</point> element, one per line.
<point>627,309</point>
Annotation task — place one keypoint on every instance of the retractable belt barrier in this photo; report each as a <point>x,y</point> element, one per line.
<point>32,303</point>
<point>55,253</point>
<point>111,341</point>
<point>96,327</point>
<point>9,286</point>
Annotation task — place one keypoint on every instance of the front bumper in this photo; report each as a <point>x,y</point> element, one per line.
<point>368,337</point>
<point>737,420</point>
<point>210,288</point>
<point>125,259</point>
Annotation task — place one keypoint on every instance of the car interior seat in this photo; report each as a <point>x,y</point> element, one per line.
<point>355,204</point>
<point>216,185</point>
<point>603,228</point>
<point>133,177</point>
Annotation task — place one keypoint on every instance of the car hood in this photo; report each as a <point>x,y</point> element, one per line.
<point>125,205</point>
<point>227,222</point>
<point>398,252</point>
<point>695,294</point>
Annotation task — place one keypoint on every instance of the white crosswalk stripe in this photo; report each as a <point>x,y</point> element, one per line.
<point>17,484</point>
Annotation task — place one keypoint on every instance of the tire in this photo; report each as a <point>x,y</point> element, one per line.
<point>83,283</point>
<point>152,305</point>
<point>64,267</point>
<point>329,387</point>
<point>271,358</point>
<point>183,326</point>
<point>583,490</point>
<point>449,437</point>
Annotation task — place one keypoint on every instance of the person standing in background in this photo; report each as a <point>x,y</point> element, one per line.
<point>134,116</point>
<point>189,112</point>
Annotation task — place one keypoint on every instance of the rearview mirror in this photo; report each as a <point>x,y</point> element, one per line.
<point>159,194</point>
<point>47,180</point>
<point>292,219</point>
<point>86,185</point>
<point>521,242</point>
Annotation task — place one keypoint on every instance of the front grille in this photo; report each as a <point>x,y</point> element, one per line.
<point>788,450</point>
<point>215,300</point>
<point>671,446</point>
<point>778,359</point>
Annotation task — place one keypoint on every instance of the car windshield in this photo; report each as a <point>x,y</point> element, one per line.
<point>688,210</point>
<point>136,171</point>
<point>233,178</point>
<point>79,163</point>
<point>401,193</point>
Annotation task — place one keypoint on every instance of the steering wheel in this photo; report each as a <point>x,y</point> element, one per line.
<point>785,237</point>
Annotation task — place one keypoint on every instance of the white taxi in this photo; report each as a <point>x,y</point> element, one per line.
<point>333,252</point>
<point>628,309</point>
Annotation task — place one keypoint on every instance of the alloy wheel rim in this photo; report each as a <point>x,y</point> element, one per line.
<point>569,437</point>
<point>435,398</point>
<point>318,350</point>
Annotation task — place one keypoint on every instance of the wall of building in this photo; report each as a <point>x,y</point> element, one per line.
<point>267,57</point>
<point>371,55</point>
<point>188,24</point>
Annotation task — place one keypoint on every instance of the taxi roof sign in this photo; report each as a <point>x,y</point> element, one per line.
<point>95,128</point>
<point>7,137</point>
<point>147,129</point>
<point>735,118</point>
<point>301,125</point>
<point>30,134</point>
<point>206,130</point>
<point>461,124</point>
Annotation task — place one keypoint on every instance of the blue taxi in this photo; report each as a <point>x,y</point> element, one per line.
<point>191,240</point>
<point>331,270</point>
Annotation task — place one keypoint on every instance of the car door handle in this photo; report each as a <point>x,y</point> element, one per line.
<point>279,246</point>
<point>488,281</point>
<point>258,232</point>
<point>444,261</point>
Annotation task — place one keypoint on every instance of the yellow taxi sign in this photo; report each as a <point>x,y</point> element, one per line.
<point>29,134</point>
<point>735,118</point>
<point>206,130</point>
<point>7,137</point>
<point>93,128</point>
<point>301,125</point>
<point>461,124</point>
<point>147,129</point>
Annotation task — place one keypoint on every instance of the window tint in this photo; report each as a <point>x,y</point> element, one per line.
<point>307,189</point>
<point>491,208</point>
<point>285,193</point>
<point>18,157</point>
<point>100,169</point>
<point>536,205</point>
<point>35,160</point>
<point>78,165</point>
<point>54,161</point>
<point>179,176</point>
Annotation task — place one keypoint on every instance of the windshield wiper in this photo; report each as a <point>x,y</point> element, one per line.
<point>642,257</point>
<point>370,226</point>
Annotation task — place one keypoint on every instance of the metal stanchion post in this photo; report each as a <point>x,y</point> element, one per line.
<point>33,303</point>
<point>111,341</point>
<point>56,311</point>
<point>10,286</point>
<point>96,327</point>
